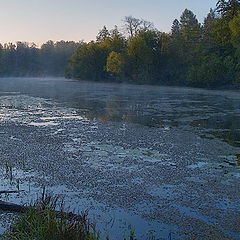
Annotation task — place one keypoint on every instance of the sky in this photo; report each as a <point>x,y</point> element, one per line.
<point>41,20</point>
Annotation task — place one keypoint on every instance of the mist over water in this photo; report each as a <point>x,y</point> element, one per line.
<point>214,112</point>
<point>161,158</point>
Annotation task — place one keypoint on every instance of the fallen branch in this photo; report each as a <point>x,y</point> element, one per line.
<point>11,207</point>
<point>5,192</point>
<point>45,201</point>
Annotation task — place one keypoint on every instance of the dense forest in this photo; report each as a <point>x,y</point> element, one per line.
<point>192,54</point>
<point>24,59</point>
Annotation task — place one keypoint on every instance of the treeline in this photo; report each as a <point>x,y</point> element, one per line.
<point>193,54</point>
<point>24,59</point>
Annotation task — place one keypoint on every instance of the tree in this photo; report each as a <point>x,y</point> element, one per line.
<point>88,62</point>
<point>1,60</point>
<point>115,63</point>
<point>189,26</point>
<point>209,22</point>
<point>212,71</point>
<point>117,42</point>
<point>114,41</point>
<point>134,25</point>
<point>9,59</point>
<point>175,27</point>
<point>235,39</point>
<point>54,56</point>
<point>103,35</point>
<point>228,9</point>
<point>63,50</point>
<point>234,25</point>
<point>144,49</point>
<point>47,58</point>
<point>209,30</point>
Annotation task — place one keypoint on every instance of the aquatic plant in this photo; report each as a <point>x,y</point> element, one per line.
<point>18,184</point>
<point>132,234</point>
<point>23,163</point>
<point>107,236</point>
<point>151,235</point>
<point>6,167</point>
<point>10,172</point>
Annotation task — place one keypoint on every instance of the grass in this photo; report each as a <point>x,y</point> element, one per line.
<point>43,222</point>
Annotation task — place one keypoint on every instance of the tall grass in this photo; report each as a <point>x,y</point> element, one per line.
<point>43,222</point>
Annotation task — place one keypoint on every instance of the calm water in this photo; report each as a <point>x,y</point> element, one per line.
<point>158,159</point>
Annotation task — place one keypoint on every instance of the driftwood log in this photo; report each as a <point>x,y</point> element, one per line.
<point>5,192</point>
<point>11,207</point>
<point>15,208</point>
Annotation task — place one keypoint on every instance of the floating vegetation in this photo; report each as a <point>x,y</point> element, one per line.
<point>231,160</point>
<point>238,159</point>
<point>123,169</point>
<point>18,184</point>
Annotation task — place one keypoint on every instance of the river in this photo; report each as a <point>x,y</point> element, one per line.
<point>161,160</point>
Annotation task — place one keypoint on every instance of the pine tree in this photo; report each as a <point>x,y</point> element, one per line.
<point>175,27</point>
<point>189,26</point>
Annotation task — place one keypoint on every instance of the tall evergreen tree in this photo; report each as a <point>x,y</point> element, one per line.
<point>228,8</point>
<point>175,27</point>
<point>189,26</point>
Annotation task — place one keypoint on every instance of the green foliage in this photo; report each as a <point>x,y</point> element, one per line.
<point>175,27</point>
<point>103,35</point>
<point>88,62</point>
<point>47,220</point>
<point>115,63</point>
<point>115,41</point>
<point>132,234</point>
<point>24,59</point>
<point>144,51</point>
<point>208,30</point>
<point>228,9</point>
<point>212,71</point>
<point>234,25</point>
<point>189,26</point>
<point>192,54</point>
<point>44,222</point>
<point>54,56</point>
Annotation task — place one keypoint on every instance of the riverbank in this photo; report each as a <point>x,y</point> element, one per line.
<point>160,84</point>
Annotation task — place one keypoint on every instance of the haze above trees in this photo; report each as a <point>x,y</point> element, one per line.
<point>24,59</point>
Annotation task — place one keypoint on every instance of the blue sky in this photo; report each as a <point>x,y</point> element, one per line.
<point>40,20</point>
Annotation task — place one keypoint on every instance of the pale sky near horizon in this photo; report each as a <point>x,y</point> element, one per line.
<point>41,20</point>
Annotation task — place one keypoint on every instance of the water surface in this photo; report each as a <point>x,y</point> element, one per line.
<point>152,158</point>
